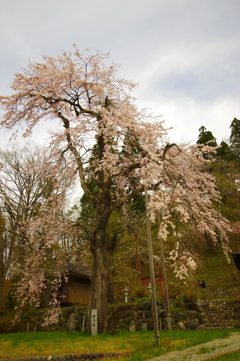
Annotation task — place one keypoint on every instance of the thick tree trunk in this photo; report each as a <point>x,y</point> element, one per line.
<point>99,290</point>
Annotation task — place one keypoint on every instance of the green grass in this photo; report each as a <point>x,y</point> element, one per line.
<point>204,350</point>
<point>133,346</point>
<point>233,356</point>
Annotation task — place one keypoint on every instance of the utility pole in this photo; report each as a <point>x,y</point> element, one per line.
<point>152,274</point>
<point>169,323</point>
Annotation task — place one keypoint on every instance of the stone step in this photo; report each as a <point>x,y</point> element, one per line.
<point>215,324</point>
<point>212,317</point>
<point>219,315</point>
<point>219,328</point>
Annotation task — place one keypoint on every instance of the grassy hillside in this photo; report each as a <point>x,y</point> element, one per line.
<point>222,278</point>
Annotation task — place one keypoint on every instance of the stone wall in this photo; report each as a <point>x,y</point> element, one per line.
<point>76,357</point>
<point>206,315</point>
<point>185,314</point>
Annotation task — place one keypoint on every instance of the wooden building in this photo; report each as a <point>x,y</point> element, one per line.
<point>77,288</point>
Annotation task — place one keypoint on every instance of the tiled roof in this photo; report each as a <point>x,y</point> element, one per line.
<point>78,269</point>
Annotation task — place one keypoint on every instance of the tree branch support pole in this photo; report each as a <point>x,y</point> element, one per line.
<point>169,323</point>
<point>152,274</point>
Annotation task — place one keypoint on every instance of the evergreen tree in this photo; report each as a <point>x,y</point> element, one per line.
<point>235,137</point>
<point>206,137</point>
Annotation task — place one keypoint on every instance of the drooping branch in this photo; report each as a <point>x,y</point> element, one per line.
<point>167,148</point>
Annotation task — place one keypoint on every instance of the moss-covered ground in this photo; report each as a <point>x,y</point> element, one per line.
<point>131,345</point>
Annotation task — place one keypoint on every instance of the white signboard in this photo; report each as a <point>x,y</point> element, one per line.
<point>94,325</point>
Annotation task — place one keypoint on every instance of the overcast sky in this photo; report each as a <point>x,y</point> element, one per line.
<point>185,54</point>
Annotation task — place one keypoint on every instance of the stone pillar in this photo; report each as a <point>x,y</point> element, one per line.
<point>94,323</point>
<point>132,326</point>
<point>72,322</point>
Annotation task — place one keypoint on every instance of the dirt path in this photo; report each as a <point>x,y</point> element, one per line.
<point>204,351</point>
